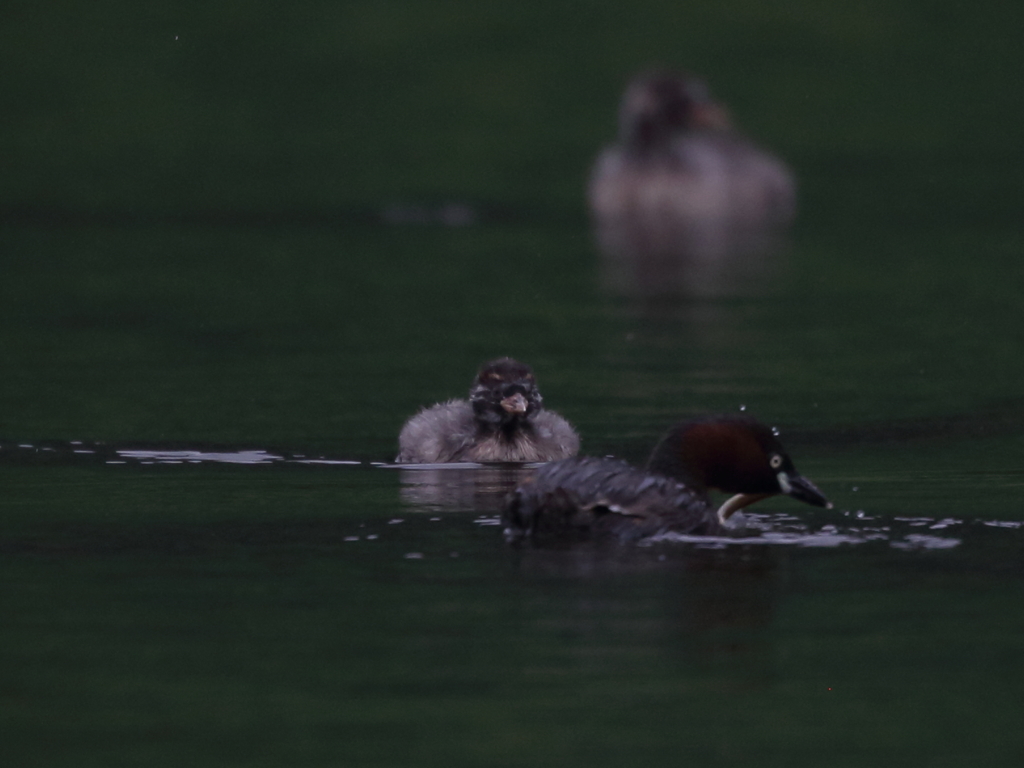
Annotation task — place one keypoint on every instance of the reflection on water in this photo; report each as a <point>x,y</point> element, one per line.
<point>692,595</point>
<point>460,487</point>
<point>701,258</point>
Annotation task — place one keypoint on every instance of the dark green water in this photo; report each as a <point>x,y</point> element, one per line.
<point>210,240</point>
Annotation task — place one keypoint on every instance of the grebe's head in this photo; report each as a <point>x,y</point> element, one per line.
<point>736,455</point>
<point>504,394</point>
<point>661,104</point>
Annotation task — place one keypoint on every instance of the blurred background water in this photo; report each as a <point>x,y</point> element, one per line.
<point>238,239</point>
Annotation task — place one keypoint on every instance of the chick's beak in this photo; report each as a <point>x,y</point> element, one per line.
<point>799,487</point>
<point>515,403</point>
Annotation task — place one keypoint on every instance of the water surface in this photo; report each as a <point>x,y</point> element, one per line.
<point>239,249</point>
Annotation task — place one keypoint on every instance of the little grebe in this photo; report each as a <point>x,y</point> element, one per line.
<point>586,497</point>
<point>502,421</point>
<point>682,202</point>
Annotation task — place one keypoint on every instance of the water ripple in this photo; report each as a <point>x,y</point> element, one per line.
<point>79,452</point>
<point>787,530</point>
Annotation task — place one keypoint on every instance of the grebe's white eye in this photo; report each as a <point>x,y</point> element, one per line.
<point>775,462</point>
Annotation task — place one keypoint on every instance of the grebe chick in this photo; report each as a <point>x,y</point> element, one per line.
<point>681,181</point>
<point>503,420</point>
